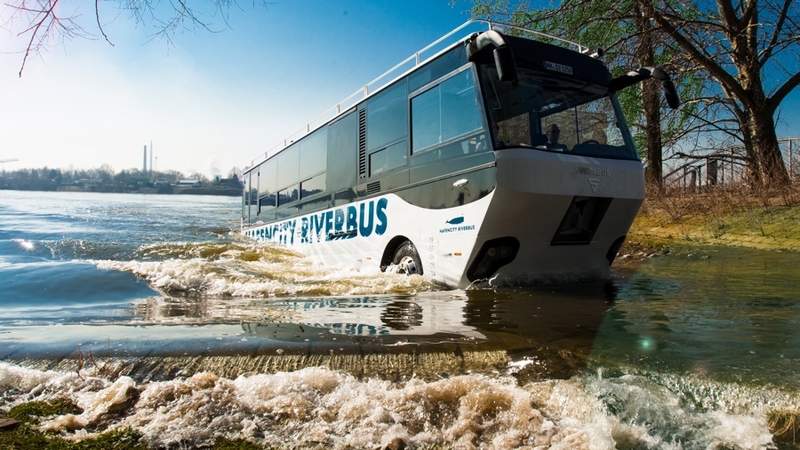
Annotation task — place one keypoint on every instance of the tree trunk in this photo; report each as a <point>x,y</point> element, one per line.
<point>652,115</point>
<point>650,99</point>
<point>767,149</point>
<point>753,165</point>
<point>760,124</point>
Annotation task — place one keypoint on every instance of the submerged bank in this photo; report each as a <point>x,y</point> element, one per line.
<point>717,219</point>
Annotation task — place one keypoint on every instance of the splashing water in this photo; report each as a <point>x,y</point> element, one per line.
<point>317,406</point>
<point>239,269</point>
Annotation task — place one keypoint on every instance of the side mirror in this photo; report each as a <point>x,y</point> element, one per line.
<point>670,93</point>
<point>636,76</point>
<point>504,62</point>
<point>503,56</point>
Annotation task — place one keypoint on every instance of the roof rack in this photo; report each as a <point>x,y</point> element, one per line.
<point>402,68</point>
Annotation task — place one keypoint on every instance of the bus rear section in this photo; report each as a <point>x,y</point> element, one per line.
<point>569,181</point>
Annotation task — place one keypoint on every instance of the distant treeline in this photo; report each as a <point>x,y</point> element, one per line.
<point>105,179</point>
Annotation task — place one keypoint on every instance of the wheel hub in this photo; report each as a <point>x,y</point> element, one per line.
<point>407,266</point>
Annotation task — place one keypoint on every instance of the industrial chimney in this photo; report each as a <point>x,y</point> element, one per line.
<point>144,160</point>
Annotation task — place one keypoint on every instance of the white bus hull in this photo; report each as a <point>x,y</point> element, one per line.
<point>532,194</point>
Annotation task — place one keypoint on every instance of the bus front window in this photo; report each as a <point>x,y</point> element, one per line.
<point>555,114</point>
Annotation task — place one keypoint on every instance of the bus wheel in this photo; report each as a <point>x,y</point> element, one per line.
<point>406,259</point>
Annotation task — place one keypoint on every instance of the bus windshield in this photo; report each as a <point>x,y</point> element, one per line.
<point>555,114</point>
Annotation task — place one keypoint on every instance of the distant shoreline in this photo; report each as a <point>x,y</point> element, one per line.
<point>105,180</point>
<point>184,191</point>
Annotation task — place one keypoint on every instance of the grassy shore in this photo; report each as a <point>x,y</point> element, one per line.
<point>743,219</point>
<point>27,435</point>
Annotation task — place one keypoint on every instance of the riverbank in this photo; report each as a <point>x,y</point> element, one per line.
<point>765,222</point>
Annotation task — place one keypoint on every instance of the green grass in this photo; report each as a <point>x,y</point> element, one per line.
<point>237,444</point>
<point>768,228</point>
<point>27,436</point>
<point>27,412</point>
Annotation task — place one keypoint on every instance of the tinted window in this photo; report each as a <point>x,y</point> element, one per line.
<point>438,68</point>
<point>386,116</point>
<point>312,186</point>
<point>288,195</point>
<point>344,197</point>
<point>461,112</point>
<point>267,201</point>
<point>555,114</point>
<point>446,111</point>
<point>387,159</point>
<point>288,166</point>
<point>313,155</point>
<point>316,204</point>
<point>247,189</point>
<point>425,119</point>
<point>253,188</point>
<point>266,205</point>
<point>342,153</point>
<point>267,178</point>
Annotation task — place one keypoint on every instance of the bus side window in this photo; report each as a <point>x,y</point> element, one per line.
<point>288,170</point>
<point>342,153</point>
<point>344,197</point>
<point>312,186</point>
<point>288,195</point>
<point>439,67</point>
<point>266,206</point>
<point>386,116</point>
<point>267,178</point>
<point>389,158</point>
<point>313,154</point>
<point>445,112</point>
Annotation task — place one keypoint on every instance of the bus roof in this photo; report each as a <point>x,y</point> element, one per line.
<point>412,63</point>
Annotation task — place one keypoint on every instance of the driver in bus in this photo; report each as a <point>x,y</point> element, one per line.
<point>553,135</point>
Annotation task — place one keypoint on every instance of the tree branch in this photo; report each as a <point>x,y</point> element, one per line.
<point>713,67</point>
<point>100,27</point>
<point>776,32</point>
<point>781,93</point>
<point>35,27</point>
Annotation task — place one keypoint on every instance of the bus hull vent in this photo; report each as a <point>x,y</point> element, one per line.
<point>362,143</point>
<point>581,221</point>
<point>374,187</point>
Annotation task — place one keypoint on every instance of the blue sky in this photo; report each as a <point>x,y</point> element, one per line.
<point>209,101</point>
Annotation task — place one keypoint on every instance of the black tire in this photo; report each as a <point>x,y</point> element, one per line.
<point>406,259</point>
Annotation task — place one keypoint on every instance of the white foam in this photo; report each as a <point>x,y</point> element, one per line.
<point>254,270</point>
<point>325,408</point>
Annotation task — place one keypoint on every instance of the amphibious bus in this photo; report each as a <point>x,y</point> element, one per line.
<point>502,156</point>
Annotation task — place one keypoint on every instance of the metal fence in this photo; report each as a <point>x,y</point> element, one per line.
<point>726,167</point>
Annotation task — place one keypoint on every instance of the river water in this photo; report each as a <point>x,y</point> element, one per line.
<point>147,312</point>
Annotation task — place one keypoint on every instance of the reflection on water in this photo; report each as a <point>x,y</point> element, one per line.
<point>724,313</point>
<point>731,314</point>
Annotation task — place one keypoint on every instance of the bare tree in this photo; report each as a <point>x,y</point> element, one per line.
<point>736,43</point>
<point>41,22</point>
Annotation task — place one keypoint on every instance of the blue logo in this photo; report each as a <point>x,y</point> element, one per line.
<point>456,220</point>
<point>347,222</point>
